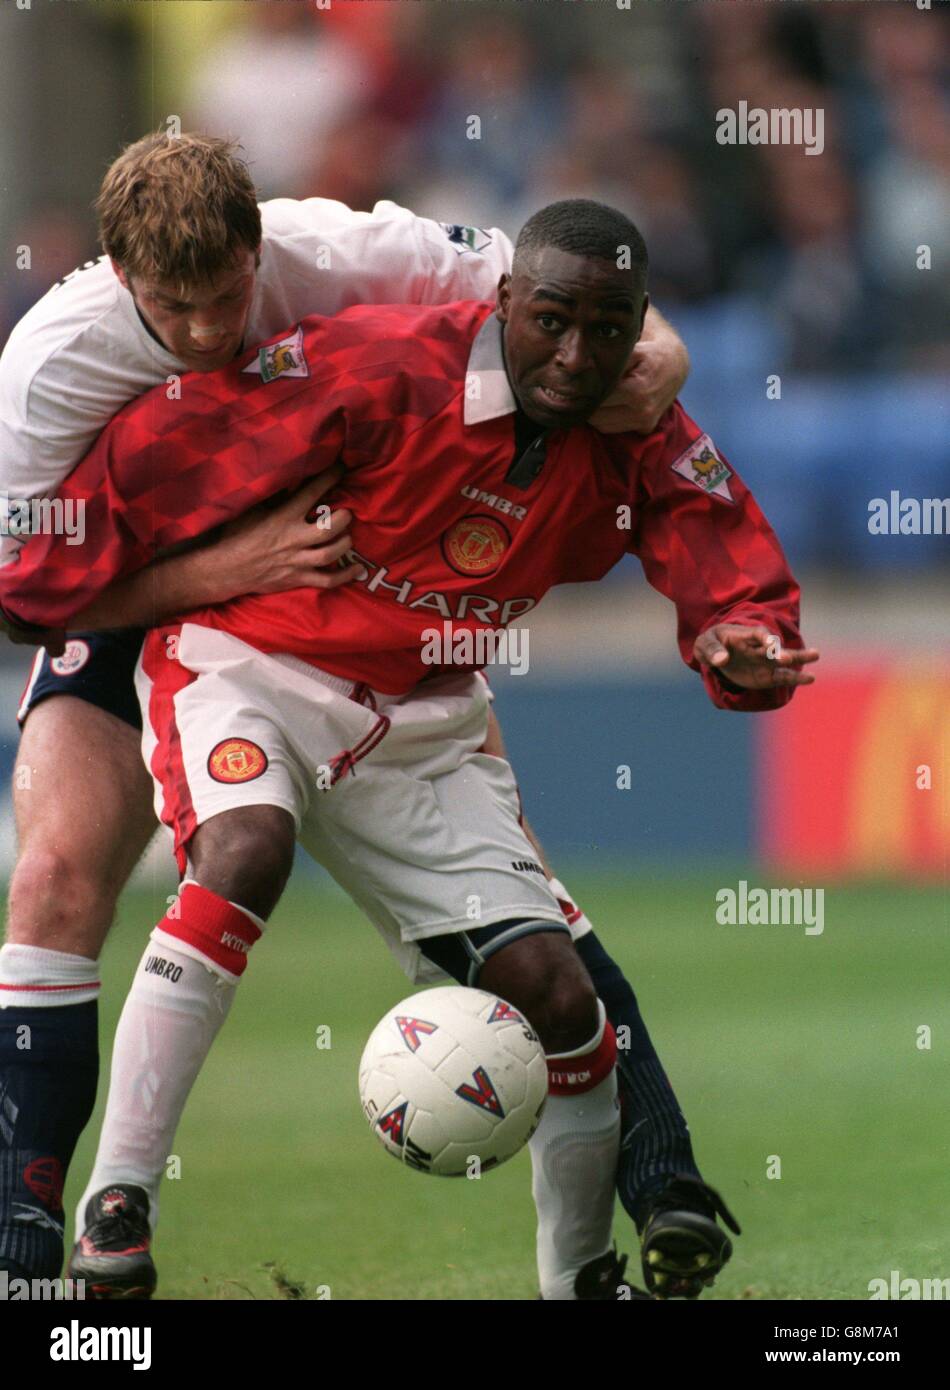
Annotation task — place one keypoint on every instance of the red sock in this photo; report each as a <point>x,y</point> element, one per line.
<point>573,1074</point>
<point>210,928</point>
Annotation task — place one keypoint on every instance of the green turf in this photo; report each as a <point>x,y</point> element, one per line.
<point>777,1043</point>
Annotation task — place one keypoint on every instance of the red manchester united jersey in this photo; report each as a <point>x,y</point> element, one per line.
<point>448,526</point>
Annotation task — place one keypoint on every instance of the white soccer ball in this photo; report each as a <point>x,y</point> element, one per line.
<point>450,1076</point>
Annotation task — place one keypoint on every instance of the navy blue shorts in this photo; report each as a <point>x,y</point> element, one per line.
<point>98,667</point>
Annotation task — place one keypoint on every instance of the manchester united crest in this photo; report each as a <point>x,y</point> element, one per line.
<point>236,760</point>
<point>475,545</point>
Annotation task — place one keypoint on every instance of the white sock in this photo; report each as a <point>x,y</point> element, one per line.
<point>166,1030</point>
<point>574,1154</point>
<point>33,977</point>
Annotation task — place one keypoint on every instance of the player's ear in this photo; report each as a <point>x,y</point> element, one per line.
<point>120,273</point>
<point>503,298</point>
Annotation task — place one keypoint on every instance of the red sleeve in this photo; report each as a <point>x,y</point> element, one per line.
<point>704,543</point>
<point>168,469</point>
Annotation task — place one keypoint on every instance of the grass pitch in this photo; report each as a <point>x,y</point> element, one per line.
<point>780,1045</point>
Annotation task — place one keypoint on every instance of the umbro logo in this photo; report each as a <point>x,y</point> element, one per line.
<point>491,499</point>
<point>568,1078</point>
<point>527,866</point>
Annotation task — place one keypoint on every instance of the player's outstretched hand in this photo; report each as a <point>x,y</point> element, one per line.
<point>655,374</point>
<point>752,657</point>
<point>296,545</point>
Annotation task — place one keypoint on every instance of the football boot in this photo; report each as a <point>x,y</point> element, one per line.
<point>112,1254</point>
<point>682,1248</point>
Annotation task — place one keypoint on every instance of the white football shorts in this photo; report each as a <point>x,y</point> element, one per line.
<point>391,794</point>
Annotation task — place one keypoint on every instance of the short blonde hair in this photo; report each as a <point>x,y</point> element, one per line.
<point>178,208</point>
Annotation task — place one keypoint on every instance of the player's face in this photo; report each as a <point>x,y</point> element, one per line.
<point>570,327</point>
<point>204,324</point>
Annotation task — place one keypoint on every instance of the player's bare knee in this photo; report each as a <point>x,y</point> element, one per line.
<point>543,976</point>
<point>245,855</point>
<point>568,1016</point>
<point>59,903</point>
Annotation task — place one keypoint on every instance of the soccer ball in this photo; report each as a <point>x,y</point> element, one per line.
<point>452,1075</point>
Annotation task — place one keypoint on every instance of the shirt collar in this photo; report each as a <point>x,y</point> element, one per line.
<point>488,393</point>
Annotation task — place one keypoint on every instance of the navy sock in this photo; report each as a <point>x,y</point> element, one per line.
<point>49,1070</point>
<point>655,1139</point>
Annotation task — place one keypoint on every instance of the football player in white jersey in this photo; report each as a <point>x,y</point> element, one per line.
<point>195,269</point>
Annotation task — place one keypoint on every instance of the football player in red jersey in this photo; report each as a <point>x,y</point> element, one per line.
<point>461,398</point>
<point>194,268</point>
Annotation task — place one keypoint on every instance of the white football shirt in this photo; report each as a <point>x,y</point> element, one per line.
<point>82,352</point>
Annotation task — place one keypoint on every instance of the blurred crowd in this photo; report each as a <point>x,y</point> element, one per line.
<point>480,113</point>
<point>622,106</point>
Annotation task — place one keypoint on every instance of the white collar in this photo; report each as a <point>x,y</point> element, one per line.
<point>488,393</point>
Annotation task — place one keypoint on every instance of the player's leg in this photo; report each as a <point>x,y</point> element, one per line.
<point>574,1149</point>
<point>675,1212</point>
<point>659,1184</point>
<point>220,730</point>
<point>658,1181</point>
<point>182,991</point>
<point>533,966</point>
<point>83,813</point>
<point>656,1141</point>
<point>426,838</point>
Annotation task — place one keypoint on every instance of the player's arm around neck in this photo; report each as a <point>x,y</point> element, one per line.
<point>270,550</point>
<point>654,378</point>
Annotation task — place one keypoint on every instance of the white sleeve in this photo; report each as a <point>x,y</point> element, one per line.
<point>466,262</point>
<point>325,257</point>
<point>45,430</point>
